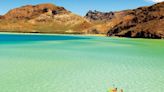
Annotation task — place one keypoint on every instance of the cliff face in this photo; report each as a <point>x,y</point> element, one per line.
<point>46,18</point>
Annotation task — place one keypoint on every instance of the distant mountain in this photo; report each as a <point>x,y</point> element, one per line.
<point>143,22</point>
<point>43,18</point>
<point>99,16</point>
<point>103,21</point>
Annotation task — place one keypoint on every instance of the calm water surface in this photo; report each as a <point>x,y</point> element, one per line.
<point>65,63</point>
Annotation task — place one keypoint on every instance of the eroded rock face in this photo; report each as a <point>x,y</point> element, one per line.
<point>143,22</point>
<point>32,11</point>
<point>99,16</point>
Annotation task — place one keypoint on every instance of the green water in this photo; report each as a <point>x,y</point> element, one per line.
<point>55,63</point>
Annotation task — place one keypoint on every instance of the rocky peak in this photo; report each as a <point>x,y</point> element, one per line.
<point>32,11</point>
<point>99,16</point>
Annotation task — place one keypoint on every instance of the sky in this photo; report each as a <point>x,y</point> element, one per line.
<point>80,7</point>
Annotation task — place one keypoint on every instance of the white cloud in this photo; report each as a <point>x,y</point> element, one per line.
<point>156,1</point>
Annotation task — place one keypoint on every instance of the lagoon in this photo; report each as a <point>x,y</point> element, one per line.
<point>72,63</point>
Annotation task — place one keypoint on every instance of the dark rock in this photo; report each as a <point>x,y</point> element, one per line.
<point>93,31</point>
<point>144,34</point>
<point>99,16</point>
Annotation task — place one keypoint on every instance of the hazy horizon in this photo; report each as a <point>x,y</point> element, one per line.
<point>80,7</point>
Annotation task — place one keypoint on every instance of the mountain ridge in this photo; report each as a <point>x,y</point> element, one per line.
<point>143,22</point>
<point>42,18</point>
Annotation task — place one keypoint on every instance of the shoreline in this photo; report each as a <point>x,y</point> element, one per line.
<point>28,33</point>
<point>69,34</point>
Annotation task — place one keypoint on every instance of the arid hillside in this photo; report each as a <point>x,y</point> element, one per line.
<point>143,22</point>
<point>43,18</point>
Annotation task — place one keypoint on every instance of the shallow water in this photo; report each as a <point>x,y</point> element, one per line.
<point>65,63</point>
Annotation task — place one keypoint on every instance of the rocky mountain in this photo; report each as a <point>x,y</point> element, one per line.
<point>143,22</point>
<point>103,21</point>
<point>43,18</point>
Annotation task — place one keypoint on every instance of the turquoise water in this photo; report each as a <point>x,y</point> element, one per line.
<point>65,63</point>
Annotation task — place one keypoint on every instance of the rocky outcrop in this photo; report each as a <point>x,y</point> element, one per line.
<point>99,16</point>
<point>143,22</point>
